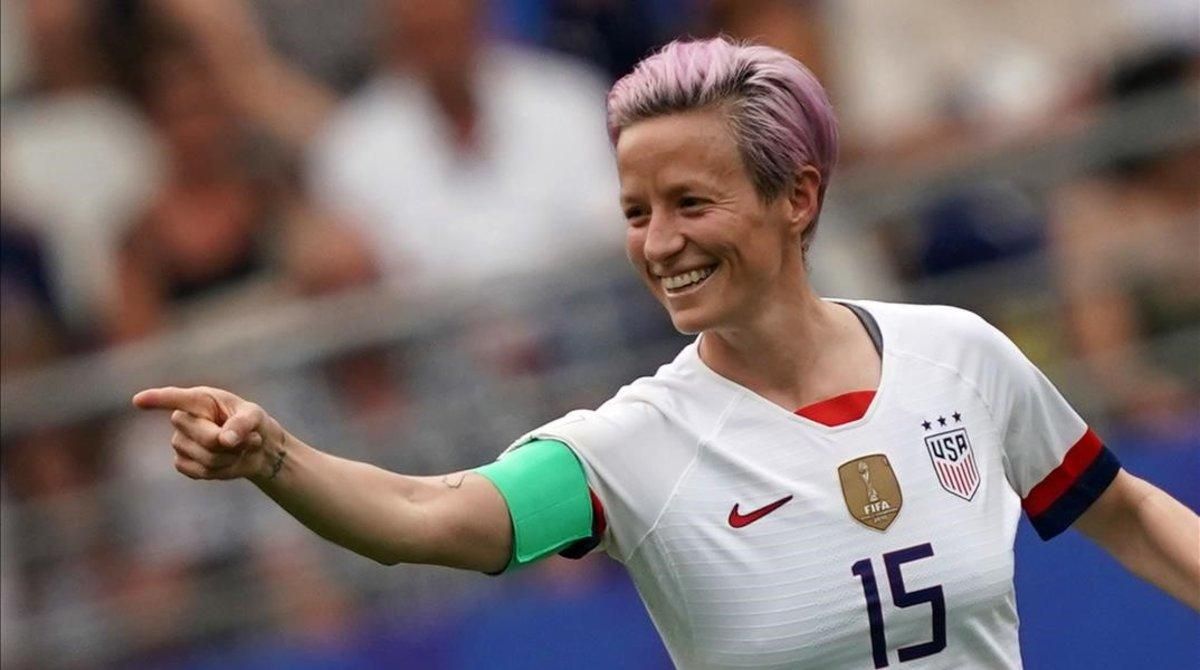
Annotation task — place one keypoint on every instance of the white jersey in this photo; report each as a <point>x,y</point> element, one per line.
<point>760,538</point>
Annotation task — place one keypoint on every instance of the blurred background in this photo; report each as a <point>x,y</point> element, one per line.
<point>393,223</point>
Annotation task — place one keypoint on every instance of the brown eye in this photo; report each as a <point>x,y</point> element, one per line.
<point>634,215</point>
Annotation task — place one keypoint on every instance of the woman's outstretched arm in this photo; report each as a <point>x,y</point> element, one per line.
<point>458,520</point>
<point>1153,535</point>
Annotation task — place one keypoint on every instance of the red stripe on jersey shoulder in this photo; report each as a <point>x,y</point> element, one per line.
<point>599,521</point>
<point>840,409</point>
<point>1060,479</point>
<point>583,547</point>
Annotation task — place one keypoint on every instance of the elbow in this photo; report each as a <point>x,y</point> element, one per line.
<point>381,554</point>
<point>395,555</point>
<point>384,557</point>
<point>385,560</point>
<point>389,555</point>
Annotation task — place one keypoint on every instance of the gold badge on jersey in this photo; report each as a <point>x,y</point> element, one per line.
<point>871,491</point>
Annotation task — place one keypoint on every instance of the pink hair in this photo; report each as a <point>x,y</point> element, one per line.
<point>780,115</point>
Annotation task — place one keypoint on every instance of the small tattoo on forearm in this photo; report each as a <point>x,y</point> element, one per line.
<point>454,481</point>
<point>277,464</point>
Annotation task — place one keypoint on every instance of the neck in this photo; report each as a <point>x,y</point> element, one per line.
<point>802,350</point>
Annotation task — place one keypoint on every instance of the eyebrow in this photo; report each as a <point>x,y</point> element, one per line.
<point>681,187</point>
<point>690,185</point>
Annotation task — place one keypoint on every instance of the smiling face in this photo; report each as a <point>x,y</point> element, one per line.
<point>707,246</point>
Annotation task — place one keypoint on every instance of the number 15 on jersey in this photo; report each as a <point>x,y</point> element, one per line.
<point>901,597</point>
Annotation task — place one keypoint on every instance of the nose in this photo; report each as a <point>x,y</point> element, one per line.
<point>664,239</point>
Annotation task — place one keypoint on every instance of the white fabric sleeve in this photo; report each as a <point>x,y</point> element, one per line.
<point>632,457</point>
<point>1054,462</point>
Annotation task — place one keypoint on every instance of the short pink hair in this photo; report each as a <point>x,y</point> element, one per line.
<point>779,113</point>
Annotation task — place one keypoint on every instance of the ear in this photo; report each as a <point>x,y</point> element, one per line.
<point>803,200</point>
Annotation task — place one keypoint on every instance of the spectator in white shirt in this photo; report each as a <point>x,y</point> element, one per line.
<point>464,160</point>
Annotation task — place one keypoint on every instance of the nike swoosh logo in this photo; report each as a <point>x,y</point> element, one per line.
<point>738,520</point>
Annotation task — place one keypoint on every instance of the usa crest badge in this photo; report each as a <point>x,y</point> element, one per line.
<point>954,462</point>
<point>871,491</point>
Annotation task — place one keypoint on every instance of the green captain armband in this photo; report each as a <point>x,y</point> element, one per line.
<point>547,495</point>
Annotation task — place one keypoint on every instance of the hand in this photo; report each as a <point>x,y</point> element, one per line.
<point>217,434</point>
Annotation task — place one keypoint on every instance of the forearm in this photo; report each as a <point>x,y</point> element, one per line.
<point>1160,542</point>
<point>356,505</point>
<point>1171,556</point>
<point>459,520</point>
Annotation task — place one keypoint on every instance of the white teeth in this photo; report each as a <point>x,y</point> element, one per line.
<point>685,278</point>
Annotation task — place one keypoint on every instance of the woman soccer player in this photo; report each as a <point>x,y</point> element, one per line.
<point>811,483</point>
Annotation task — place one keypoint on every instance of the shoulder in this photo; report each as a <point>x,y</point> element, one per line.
<point>908,318</point>
<point>960,347</point>
<point>679,405</point>
<point>370,143</point>
<point>937,332</point>
<point>635,447</point>
<point>684,391</point>
<point>381,106</point>
<point>957,344</point>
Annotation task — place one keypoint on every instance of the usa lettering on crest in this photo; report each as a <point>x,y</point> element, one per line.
<point>954,462</point>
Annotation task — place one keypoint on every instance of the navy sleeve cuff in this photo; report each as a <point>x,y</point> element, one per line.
<point>1079,496</point>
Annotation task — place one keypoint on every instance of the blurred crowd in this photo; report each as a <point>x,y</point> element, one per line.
<point>167,163</point>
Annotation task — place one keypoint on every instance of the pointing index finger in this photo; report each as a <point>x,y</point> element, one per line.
<point>192,400</point>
